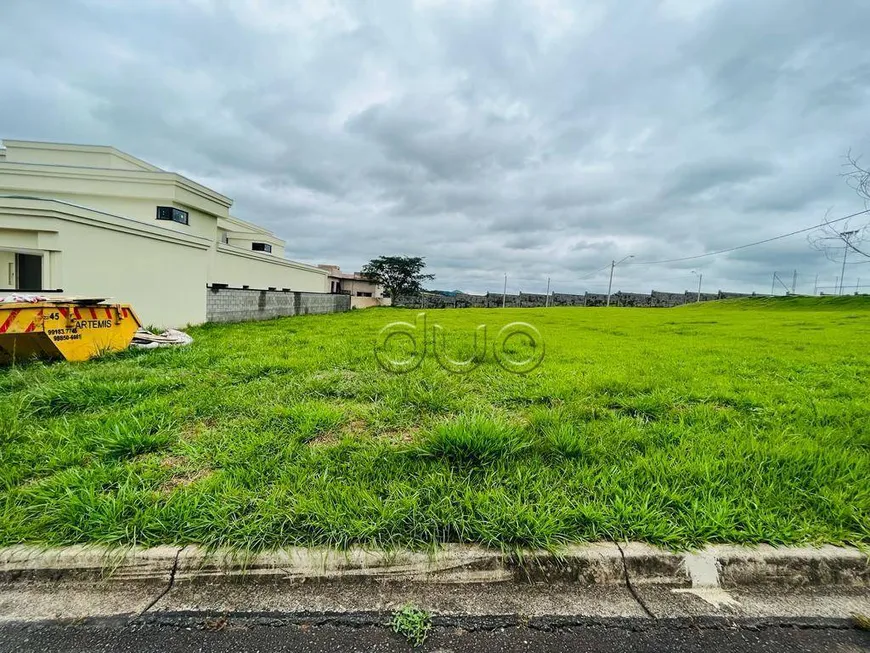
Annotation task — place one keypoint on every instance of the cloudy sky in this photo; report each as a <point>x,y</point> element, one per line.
<point>537,138</point>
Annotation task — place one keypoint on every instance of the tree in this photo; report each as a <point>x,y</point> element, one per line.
<point>399,275</point>
<point>841,239</point>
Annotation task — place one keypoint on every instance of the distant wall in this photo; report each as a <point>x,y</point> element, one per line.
<point>655,299</point>
<point>244,304</point>
<point>369,302</point>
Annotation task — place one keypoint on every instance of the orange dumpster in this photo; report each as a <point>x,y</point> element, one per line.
<point>73,330</point>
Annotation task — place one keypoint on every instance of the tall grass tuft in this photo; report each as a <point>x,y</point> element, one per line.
<point>475,440</point>
<point>564,440</point>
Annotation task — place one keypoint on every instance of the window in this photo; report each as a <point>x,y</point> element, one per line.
<point>173,214</point>
<point>262,247</point>
<point>28,272</point>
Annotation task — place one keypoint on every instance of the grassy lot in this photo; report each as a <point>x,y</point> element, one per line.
<point>744,421</point>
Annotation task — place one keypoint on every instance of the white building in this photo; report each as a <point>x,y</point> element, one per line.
<point>93,221</point>
<point>363,292</point>
<point>351,283</point>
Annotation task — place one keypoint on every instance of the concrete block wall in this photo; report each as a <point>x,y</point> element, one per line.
<point>655,299</point>
<point>494,299</point>
<point>465,300</point>
<point>565,299</point>
<point>244,304</point>
<point>667,299</point>
<point>532,299</point>
<point>597,299</point>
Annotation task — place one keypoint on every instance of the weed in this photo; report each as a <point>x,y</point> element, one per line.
<point>412,623</point>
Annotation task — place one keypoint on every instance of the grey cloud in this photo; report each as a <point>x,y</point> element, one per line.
<point>491,137</point>
<point>705,174</point>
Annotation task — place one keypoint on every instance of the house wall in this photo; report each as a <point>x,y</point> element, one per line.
<point>163,281</point>
<point>369,302</point>
<point>160,275</point>
<point>7,270</point>
<point>236,267</point>
<point>88,156</point>
<point>141,209</point>
<point>353,286</point>
<point>20,239</point>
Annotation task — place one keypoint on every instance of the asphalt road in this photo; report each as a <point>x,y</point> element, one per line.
<point>240,635</point>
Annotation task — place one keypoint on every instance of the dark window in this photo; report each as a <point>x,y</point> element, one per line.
<point>363,294</point>
<point>262,247</point>
<point>171,213</point>
<point>28,269</point>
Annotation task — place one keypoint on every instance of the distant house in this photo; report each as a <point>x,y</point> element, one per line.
<point>353,284</point>
<point>91,220</point>
<point>363,292</point>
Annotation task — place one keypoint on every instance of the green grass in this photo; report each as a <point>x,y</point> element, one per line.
<point>744,421</point>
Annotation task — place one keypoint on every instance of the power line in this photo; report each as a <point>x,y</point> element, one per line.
<point>862,285</point>
<point>716,253</point>
<point>759,242</point>
<point>592,274</point>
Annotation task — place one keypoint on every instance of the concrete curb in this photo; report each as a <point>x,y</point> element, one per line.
<point>589,564</point>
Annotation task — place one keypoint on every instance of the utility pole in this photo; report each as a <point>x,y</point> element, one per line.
<point>504,293</point>
<point>547,300</point>
<point>613,264</point>
<point>845,235</point>
<point>793,282</point>
<point>773,284</point>
<point>700,279</point>
<point>816,286</point>
<point>610,283</point>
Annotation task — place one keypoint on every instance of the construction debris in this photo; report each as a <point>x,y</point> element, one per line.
<point>22,299</point>
<point>144,339</point>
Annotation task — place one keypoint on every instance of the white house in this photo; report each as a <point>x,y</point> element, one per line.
<point>94,221</point>
<point>351,283</point>
<point>363,292</point>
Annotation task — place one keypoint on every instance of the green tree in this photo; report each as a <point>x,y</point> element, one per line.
<point>399,275</point>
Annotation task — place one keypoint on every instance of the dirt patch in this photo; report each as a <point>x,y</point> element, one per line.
<point>324,439</point>
<point>400,436</point>
<point>192,430</point>
<point>182,474</point>
<point>359,428</point>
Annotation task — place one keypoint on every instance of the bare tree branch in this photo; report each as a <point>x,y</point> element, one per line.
<point>858,177</point>
<point>832,239</point>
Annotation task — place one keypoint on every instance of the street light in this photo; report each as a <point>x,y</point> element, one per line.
<point>700,279</point>
<point>613,264</point>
